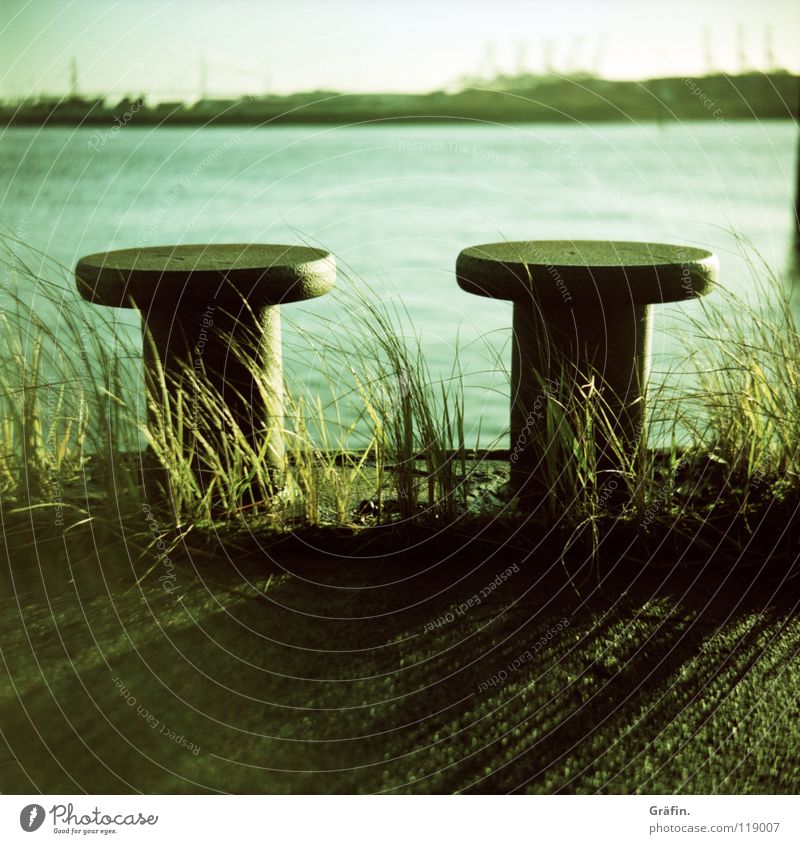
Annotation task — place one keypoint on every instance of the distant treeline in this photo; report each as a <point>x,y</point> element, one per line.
<point>524,99</point>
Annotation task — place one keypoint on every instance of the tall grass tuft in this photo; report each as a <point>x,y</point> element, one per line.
<point>373,432</point>
<point>749,385</point>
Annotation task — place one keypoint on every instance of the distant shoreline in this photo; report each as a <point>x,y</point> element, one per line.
<point>717,98</point>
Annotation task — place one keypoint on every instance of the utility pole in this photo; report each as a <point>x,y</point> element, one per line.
<point>547,56</point>
<point>741,48</point>
<point>769,50</point>
<point>708,51</point>
<point>203,77</point>
<point>489,71</point>
<point>597,61</point>
<point>574,55</point>
<point>73,79</point>
<point>521,58</point>
<point>267,77</point>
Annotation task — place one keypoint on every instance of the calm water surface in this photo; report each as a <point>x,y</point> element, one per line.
<point>397,203</point>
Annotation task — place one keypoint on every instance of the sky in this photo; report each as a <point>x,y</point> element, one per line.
<point>183,49</point>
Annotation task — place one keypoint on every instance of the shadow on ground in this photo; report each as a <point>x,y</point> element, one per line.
<point>433,663</point>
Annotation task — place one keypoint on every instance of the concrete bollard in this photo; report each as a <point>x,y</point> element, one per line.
<point>581,310</point>
<point>196,300</point>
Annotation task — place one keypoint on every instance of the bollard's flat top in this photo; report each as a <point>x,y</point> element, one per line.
<point>260,273</point>
<point>575,272</point>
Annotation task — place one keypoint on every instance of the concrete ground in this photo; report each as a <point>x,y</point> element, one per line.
<point>447,663</point>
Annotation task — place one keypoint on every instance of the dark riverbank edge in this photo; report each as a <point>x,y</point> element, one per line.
<point>703,525</point>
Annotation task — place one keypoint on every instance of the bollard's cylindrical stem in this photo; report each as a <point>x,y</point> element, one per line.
<point>208,352</point>
<point>557,352</point>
